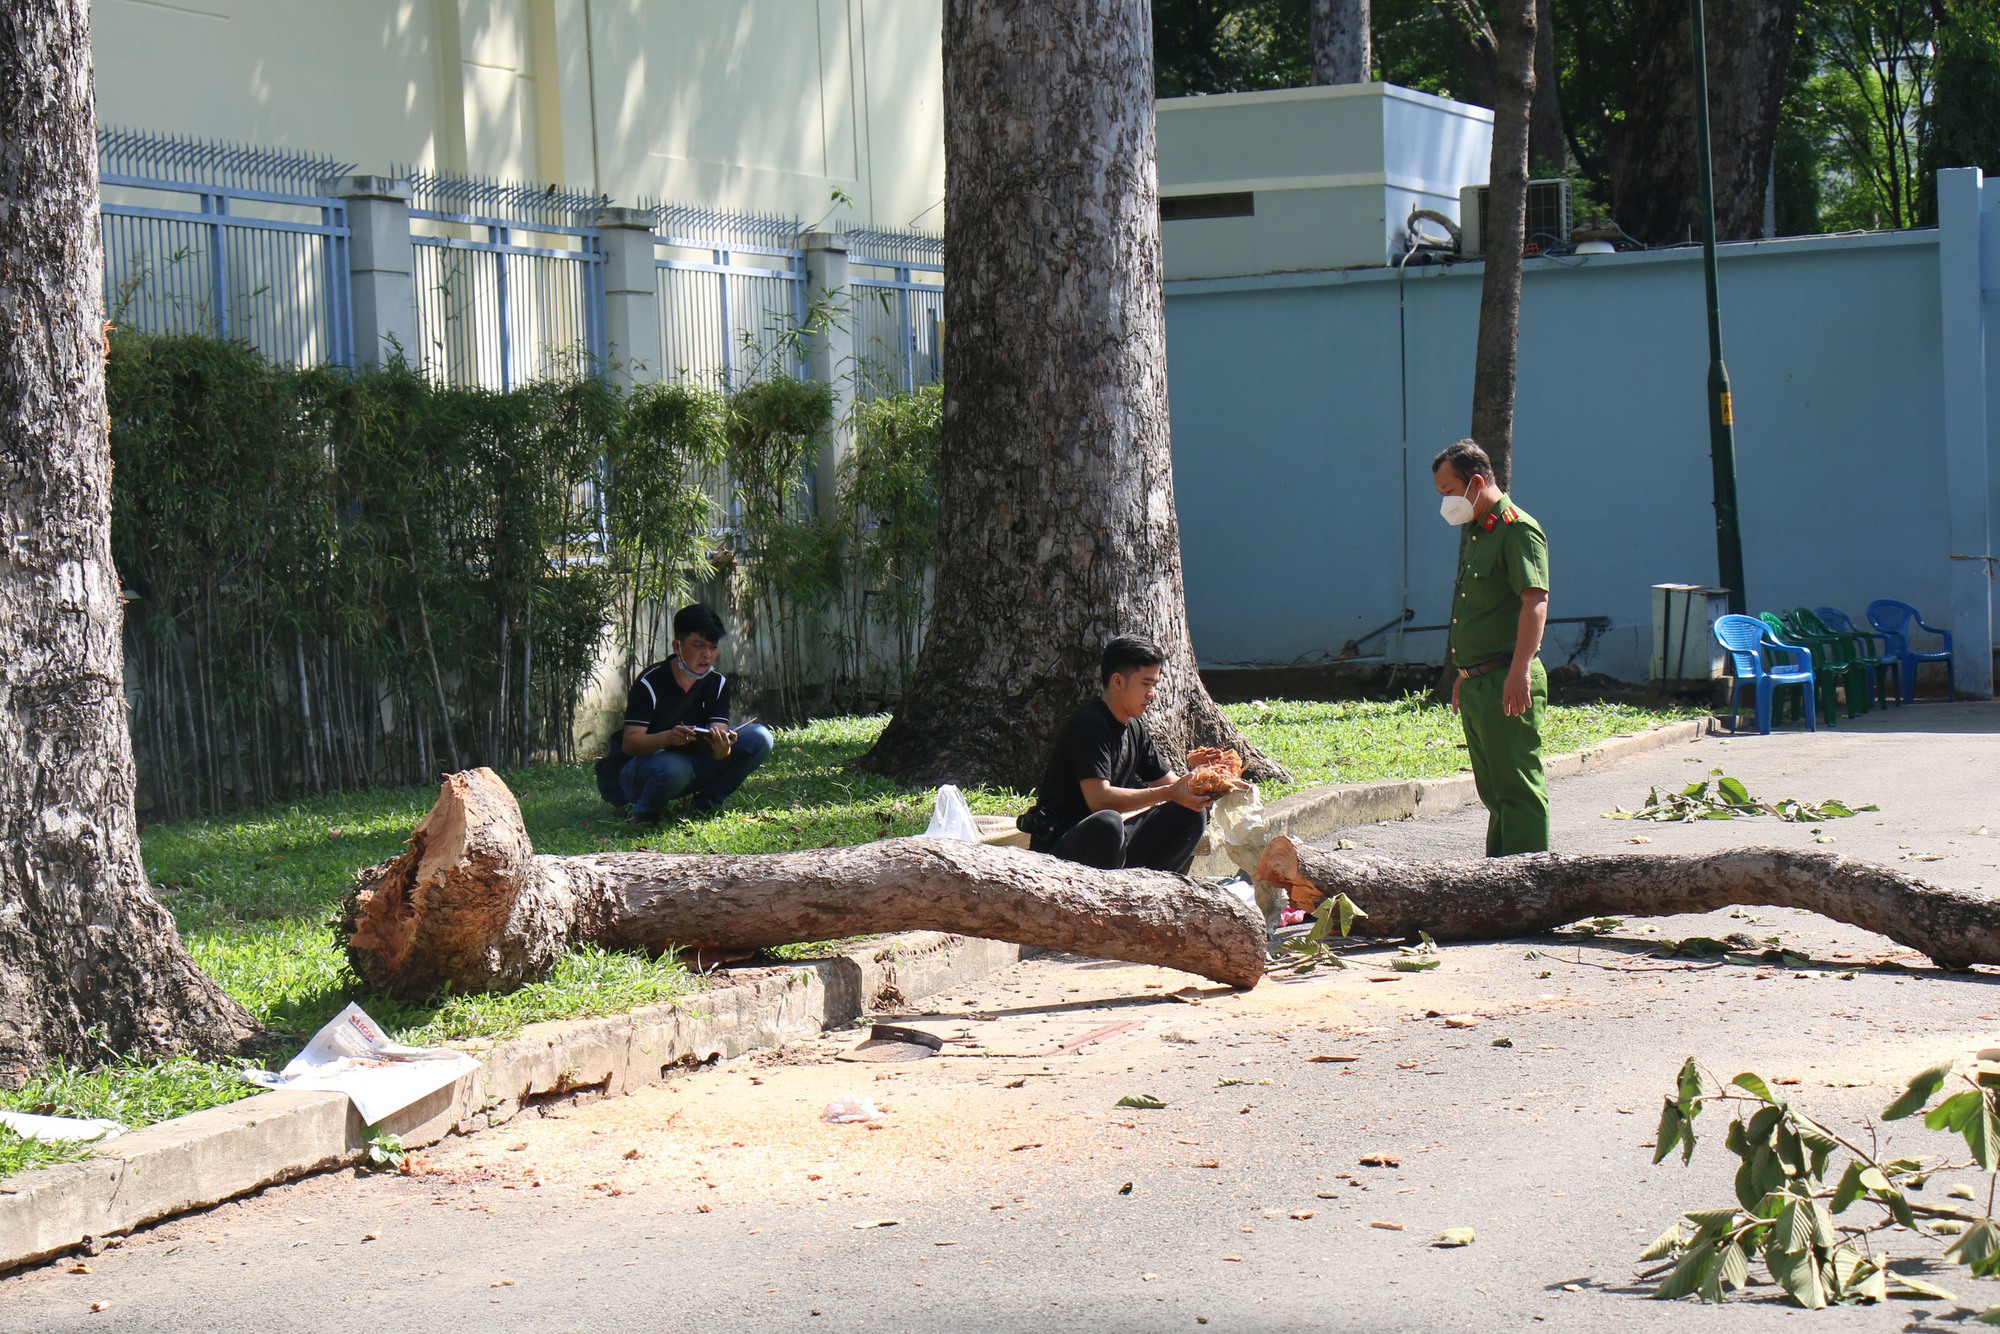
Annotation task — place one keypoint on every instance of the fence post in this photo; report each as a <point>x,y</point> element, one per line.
<point>830,350</point>
<point>381,268</point>
<point>1961,196</point>
<point>634,353</point>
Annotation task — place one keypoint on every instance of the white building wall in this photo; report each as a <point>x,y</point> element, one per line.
<point>753,105</point>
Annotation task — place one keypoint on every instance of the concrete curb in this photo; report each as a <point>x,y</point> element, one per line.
<point>199,1160</point>
<point>1319,811</point>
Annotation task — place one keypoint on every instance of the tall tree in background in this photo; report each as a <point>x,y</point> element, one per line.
<point>1654,191</point>
<point>1057,528</point>
<point>1479,49</point>
<point>1340,42</point>
<point>1504,235</point>
<point>90,963</point>
<point>1961,125</point>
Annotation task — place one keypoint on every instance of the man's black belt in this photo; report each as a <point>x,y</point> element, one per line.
<point>1481,669</point>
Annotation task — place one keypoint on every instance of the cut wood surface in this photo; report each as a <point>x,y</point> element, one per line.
<point>1496,898</point>
<point>470,905</point>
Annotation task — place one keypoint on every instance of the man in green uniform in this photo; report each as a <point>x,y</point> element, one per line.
<point>1499,609</point>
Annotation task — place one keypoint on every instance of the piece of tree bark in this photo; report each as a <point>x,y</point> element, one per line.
<point>1504,235</point>
<point>1654,191</point>
<point>90,963</point>
<point>1548,137</point>
<point>1056,525</point>
<point>470,906</point>
<point>1341,50</point>
<point>1501,897</point>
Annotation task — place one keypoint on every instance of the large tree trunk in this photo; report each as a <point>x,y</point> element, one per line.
<point>1655,192</point>
<point>1341,51</point>
<point>1502,897</point>
<point>1548,137</point>
<point>90,963</point>
<point>1057,528</point>
<point>469,905</point>
<point>1504,235</point>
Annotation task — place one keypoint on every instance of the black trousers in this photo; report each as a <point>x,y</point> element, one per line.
<point>1163,839</point>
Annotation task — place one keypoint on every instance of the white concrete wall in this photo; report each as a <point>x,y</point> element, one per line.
<point>757,105</point>
<point>1335,172</point>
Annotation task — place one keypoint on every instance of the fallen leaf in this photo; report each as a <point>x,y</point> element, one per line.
<point>1018,1147</point>
<point>1453,1236</point>
<point>1149,1278</point>
<point>1303,1214</point>
<point>1381,1160</point>
<point>79,1268</point>
<point>1406,1065</point>
<point>1641,839</point>
<point>1332,1060</point>
<point>1145,1102</point>
<point>1503,1042</point>
<point>944,1243</point>
<point>1234,1259</point>
<point>634,1153</point>
<point>1015,1083</point>
<point>501,1283</point>
<point>1462,1021</point>
<point>1125,1189</point>
<point>1388,1227</point>
<point>877,1222</point>
<point>99,1306</point>
<point>371,1236</point>
<point>1208,1162</point>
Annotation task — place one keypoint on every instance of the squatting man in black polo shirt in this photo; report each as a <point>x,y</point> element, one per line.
<point>677,739</point>
<point>1107,799</point>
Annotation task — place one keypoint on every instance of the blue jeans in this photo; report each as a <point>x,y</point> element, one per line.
<point>651,781</point>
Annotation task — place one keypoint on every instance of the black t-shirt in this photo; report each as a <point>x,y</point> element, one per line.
<point>1094,744</point>
<point>658,704</point>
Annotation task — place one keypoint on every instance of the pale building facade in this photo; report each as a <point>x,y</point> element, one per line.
<point>766,106</point>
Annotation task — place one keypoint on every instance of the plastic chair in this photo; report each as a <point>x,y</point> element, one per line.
<point>1826,677</point>
<point>1894,619</point>
<point>1871,650</point>
<point>1746,639</point>
<point>1836,652</point>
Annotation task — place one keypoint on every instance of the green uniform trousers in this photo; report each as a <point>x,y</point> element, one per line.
<point>1507,761</point>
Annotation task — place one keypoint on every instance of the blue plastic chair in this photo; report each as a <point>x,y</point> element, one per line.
<point>1826,671</point>
<point>1746,639</point>
<point>1871,650</point>
<point>1894,619</point>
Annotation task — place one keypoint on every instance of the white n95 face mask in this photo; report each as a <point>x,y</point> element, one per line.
<point>1457,510</point>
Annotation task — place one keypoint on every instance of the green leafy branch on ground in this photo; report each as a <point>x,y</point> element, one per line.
<point>1788,1196</point>
<point>1720,797</point>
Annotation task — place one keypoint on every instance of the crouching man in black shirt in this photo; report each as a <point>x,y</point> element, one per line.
<point>1108,800</point>
<point>677,737</point>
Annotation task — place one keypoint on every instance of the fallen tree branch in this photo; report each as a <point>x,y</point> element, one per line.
<point>1500,897</point>
<point>470,906</point>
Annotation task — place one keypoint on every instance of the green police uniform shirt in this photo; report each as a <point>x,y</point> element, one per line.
<point>1503,556</point>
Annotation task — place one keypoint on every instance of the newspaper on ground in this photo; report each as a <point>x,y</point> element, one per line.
<point>77,1129</point>
<point>352,1055</point>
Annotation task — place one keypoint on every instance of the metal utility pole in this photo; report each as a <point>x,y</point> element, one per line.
<point>1721,416</point>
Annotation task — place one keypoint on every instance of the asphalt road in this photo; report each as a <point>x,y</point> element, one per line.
<point>992,1193</point>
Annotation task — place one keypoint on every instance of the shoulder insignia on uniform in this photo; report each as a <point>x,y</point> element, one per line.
<point>1510,516</point>
<point>1488,522</point>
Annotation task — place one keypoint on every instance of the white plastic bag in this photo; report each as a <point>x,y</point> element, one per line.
<point>951,817</point>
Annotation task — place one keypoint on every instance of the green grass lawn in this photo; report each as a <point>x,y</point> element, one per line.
<point>254,894</point>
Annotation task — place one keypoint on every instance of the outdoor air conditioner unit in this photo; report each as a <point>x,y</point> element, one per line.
<point>1548,216</point>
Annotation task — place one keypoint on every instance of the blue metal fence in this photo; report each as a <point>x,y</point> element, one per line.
<point>509,280</point>
<point>220,239</point>
<point>732,294</point>
<point>898,281</point>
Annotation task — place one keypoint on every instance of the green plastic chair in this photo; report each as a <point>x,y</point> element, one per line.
<point>1826,675</point>
<point>1809,628</point>
<point>1873,650</point>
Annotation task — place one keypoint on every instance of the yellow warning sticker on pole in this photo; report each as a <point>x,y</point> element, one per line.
<point>1728,413</point>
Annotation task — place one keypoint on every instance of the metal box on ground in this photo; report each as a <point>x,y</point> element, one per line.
<point>1686,655</point>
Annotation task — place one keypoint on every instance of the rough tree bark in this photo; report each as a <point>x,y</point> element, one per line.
<point>1548,137</point>
<point>1503,236</point>
<point>1655,194</point>
<point>1341,51</point>
<point>1501,897</point>
<point>471,907</point>
<point>1057,528</point>
<point>90,963</point>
